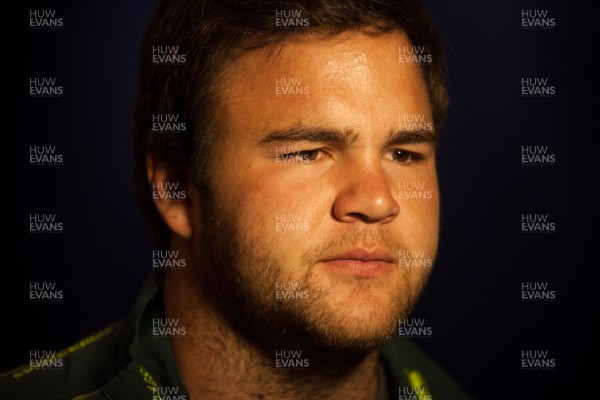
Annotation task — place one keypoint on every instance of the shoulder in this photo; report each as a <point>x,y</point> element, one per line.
<point>76,372</point>
<point>411,371</point>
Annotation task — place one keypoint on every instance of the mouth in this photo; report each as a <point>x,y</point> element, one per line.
<point>361,263</point>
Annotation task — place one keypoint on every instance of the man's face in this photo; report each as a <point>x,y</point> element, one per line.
<point>323,187</point>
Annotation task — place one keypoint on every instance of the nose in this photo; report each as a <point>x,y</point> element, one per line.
<point>364,195</point>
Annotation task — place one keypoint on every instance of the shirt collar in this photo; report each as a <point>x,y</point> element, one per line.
<point>152,357</point>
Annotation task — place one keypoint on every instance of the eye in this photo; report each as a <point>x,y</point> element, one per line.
<point>309,155</point>
<point>301,157</point>
<point>405,157</point>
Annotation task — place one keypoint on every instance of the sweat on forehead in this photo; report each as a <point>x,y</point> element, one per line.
<point>355,84</point>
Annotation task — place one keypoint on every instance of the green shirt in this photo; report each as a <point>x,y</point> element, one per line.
<point>124,361</point>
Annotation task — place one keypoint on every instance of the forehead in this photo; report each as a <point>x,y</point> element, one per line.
<point>309,79</point>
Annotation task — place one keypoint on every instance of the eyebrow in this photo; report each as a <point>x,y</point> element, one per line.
<point>311,134</point>
<point>420,136</point>
<point>315,134</point>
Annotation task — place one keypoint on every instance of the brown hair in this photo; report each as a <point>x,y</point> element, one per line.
<point>212,33</point>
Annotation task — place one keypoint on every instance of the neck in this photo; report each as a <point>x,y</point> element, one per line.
<point>217,362</point>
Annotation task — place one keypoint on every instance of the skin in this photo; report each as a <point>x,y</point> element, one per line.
<point>347,194</point>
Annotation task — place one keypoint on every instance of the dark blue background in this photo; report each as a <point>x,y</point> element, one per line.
<point>473,301</point>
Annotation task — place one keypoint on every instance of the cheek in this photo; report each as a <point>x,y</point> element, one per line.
<point>418,221</point>
<point>303,191</point>
<point>422,216</point>
<point>277,219</point>
<point>276,210</point>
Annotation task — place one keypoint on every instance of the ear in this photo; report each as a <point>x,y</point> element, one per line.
<point>169,186</point>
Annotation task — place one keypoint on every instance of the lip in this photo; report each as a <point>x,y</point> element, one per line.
<point>361,263</point>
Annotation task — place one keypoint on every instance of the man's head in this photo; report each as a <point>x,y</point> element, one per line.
<point>308,156</point>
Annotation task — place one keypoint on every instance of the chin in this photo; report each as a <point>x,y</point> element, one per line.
<point>358,336</point>
<point>360,322</point>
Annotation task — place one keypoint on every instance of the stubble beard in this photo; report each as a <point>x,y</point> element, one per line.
<point>240,277</point>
